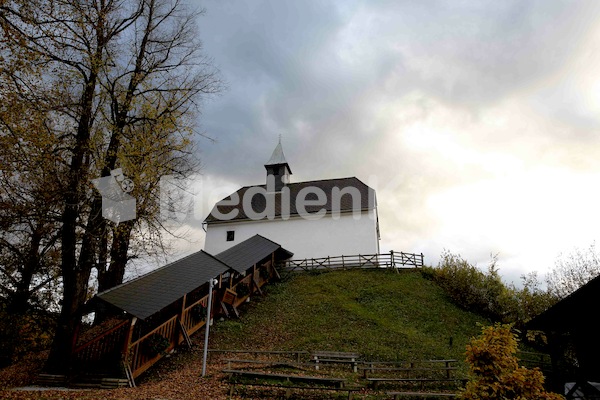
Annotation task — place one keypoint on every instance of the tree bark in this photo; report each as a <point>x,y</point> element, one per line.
<point>76,274</point>
<point>113,276</point>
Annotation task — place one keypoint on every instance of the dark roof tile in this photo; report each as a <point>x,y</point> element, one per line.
<point>247,253</point>
<point>152,292</point>
<point>331,187</point>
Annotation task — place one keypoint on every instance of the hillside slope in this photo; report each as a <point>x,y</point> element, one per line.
<point>381,314</point>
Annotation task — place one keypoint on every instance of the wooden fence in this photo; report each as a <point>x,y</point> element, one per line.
<point>191,319</point>
<point>393,259</point>
<point>140,359</point>
<point>105,348</point>
<point>534,359</point>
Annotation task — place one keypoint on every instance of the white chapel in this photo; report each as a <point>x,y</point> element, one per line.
<point>313,219</point>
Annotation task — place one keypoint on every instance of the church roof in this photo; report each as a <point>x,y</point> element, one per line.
<point>345,203</point>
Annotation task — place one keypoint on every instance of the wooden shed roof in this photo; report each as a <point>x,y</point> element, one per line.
<point>247,253</point>
<point>155,290</point>
<point>572,312</point>
<point>152,292</point>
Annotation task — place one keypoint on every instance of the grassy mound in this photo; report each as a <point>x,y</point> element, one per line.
<point>381,314</point>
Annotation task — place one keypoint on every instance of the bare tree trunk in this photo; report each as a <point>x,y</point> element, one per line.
<point>19,301</point>
<point>75,274</point>
<point>145,100</point>
<point>113,276</point>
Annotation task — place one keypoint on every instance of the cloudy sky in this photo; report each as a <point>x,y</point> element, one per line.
<point>477,122</point>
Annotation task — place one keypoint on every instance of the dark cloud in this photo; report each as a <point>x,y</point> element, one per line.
<point>476,51</point>
<point>308,70</point>
<point>356,88</point>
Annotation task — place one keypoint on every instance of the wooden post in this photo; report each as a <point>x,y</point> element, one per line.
<point>392,263</point>
<point>128,337</point>
<point>74,338</point>
<point>180,335</point>
<point>272,265</point>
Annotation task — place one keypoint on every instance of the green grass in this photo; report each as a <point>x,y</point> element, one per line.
<point>381,314</point>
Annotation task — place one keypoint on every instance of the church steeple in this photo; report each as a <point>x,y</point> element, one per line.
<point>278,170</point>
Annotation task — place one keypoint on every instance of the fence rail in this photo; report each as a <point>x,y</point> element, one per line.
<point>393,259</point>
<point>535,359</point>
<point>103,347</point>
<point>140,358</point>
<point>191,319</point>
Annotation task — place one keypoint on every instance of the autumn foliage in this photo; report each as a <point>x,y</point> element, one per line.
<point>483,292</point>
<point>495,372</point>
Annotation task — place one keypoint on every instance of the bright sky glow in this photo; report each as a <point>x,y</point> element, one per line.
<point>477,122</point>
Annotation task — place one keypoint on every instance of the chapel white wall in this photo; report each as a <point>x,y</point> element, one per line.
<point>328,236</point>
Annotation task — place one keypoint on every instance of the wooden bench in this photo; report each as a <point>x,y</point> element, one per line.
<point>398,395</point>
<point>266,363</point>
<point>297,354</point>
<point>406,370</point>
<point>279,381</point>
<point>438,372</point>
<point>375,381</point>
<point>408,367</point>
<point>335,357</point>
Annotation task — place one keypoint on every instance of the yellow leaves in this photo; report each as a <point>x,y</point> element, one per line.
<point>495,371</point>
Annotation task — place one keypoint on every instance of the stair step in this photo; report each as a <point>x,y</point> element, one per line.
<point>100,383</point>
<point>51,380</point>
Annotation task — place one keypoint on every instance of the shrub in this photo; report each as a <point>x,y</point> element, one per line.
<point>23,334</point>
<point>242,289</point>
<point>469,287</point>
<point>486,294</point>
<point>156,344</point>
<point>264,272</point>
<point>199,312</point>
<point>521,304</point>
<point>495,372</point>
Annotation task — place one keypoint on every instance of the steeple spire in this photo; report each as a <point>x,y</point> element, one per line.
<point>278,168</point>
<point>277,157</point>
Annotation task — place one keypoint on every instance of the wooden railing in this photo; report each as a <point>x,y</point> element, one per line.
<point>247,280</point>
<point>105,347</point>
<point>139,355</point>
<point>393,259</point>
<point>140,358</point>
<point>190,321</point>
